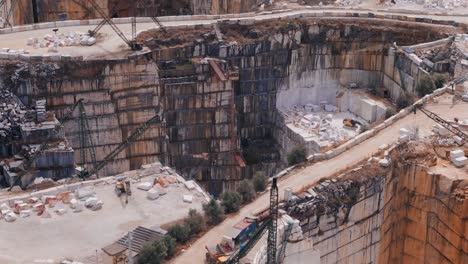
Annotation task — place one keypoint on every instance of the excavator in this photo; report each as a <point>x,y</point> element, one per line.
<point>351,123</point>
<point>123,187</point>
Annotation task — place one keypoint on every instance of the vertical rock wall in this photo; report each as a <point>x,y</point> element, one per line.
<point>119,96</point>
<point>407,216</point>
<point>422,220</point>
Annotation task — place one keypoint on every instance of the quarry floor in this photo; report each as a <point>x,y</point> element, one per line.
<point>308,175</point>
<point>80,236</point>
<point>109,45</point>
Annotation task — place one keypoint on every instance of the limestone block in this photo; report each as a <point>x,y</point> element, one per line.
<point>404,138</point>
<point>188,198</point>
<point>460,161</point>
<point>152,194</point>
<point>145,186</point>
<point>25,213</point>
<point>457,153</point>
<point>10,217</point>
<point>190,185</point>
<point>84,192</point>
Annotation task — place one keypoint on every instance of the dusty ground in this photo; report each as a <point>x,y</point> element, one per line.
<point>408,6</point>
<point>79,235</point>
<point>313,173</point>
<point>111,46</point>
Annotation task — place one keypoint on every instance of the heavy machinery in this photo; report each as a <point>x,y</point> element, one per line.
<point>455,130</point>
<point>134,136</point>
<point>215,256</point>
<point>351,123</point>
<point>270,224</point>
<point>122,187</point>
<point>132,43</point>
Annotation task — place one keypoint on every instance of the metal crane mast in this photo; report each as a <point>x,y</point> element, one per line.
<point>455,130</point>
<point>134,136</point>
<point>269,224</point>
<point>86,141</point>
<point>273,227</point>
<point>106,19</point>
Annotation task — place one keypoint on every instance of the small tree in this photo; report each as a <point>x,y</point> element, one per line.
<point>195,222</point>
<point>153,253</point>
<point>231,201</point>
<point>297,155</point>
<point>214,212</point>
<point>439,80</point>
<point>181,233</point>
<point>260,182</point>
<point>246,190</point>
<point>170,244</point>
<point>425,85</point>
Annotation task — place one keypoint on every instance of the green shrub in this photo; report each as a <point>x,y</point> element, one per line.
<point>153,253</point>
<point>389,113</point>
<point>195,222</point>
<point>439,80</point>
<point>231,201</point>
<point>425,85</point>
<point>170,244</point>
<point>260,182</point>
<point>181,233</point>
<point>214,212</point>
<point>246,190</point>
<point>297,155</point>
<point>403,101</point>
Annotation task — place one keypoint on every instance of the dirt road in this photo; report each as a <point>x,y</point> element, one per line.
<point>314,172</point>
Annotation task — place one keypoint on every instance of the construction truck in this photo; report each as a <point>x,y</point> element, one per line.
<point>215,258</point>
<point>122,187</point>
<point>351,123</point>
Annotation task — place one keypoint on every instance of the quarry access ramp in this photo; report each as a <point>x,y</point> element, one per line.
<point>305,176</point>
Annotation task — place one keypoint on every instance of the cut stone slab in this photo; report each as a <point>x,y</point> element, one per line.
<point>189,185</point>
<point>404,131</point>
<point>91,201</point>
<point>10,217</point>
<point>145,186</point>
<point>458,140</point>
<point>457,153</point>
<point>404,138</point>
<point>383,146</point>
<point>84,192</point>
<point>25,213</point>
<point>460,161</point>
<point>384,163</point>
<point>152,194</point>
<point>188,198</point>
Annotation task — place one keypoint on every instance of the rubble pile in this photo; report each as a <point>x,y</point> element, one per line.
<point>48,205</point>
<point>318,121</point>
<point>439,4</point>
<point>329,196</point>
<point>12,114</point>
<point>53,41</point>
